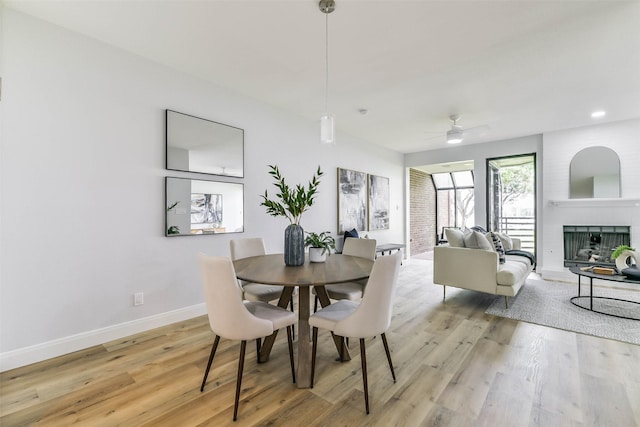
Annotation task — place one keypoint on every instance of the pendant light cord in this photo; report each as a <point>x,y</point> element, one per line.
<point>326,51</point>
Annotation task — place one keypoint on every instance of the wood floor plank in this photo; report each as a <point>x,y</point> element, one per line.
<point>455,366</point>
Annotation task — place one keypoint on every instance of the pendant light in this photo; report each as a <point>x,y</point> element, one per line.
<point>327,121</point>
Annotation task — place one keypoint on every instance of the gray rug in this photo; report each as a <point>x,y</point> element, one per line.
<point>548,304</point>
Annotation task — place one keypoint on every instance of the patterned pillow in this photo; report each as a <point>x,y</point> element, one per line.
<point>497,245</point>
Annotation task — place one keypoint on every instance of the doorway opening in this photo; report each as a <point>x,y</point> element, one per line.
<point>511,197</point>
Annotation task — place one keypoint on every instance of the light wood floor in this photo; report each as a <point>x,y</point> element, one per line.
<point>455,365</point>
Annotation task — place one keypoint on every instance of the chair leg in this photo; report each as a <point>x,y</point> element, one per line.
<point>243,348</point>
<point>290,341</point>
<point>258,345</point>
<point>506,301</point>
<point>444,292</point>
<point>213,353</point>
<point>386,349</point>
<point>293,328</point>
<point>363,357</point>
<point>313,354</point>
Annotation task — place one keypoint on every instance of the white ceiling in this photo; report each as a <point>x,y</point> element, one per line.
<point>520,67</point>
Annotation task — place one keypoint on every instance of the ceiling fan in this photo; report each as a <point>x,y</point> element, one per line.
<point>456,134</point>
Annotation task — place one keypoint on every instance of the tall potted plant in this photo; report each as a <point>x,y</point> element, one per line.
<point>291,203</point>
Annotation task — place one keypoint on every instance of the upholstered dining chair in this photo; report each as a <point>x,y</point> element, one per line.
<point>244,248</point>
<point>248,247</point>
<point>363,248</point>
<point>369,318</point>
<point>232,318</point>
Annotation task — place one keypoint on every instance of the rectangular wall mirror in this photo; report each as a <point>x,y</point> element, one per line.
<point>196,207</point>
<point>203,146</point>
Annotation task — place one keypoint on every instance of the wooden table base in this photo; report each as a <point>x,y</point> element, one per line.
<point>303,375</point>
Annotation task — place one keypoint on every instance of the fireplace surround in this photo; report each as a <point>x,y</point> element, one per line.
<point>586,245</point>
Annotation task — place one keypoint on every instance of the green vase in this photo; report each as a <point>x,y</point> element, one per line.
<point>293,245</point>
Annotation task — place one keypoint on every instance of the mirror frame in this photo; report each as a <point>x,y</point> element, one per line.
<point>176,209</point>
<point>210,143</point>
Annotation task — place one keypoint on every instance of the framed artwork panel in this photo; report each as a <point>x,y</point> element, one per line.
<point>352,200</point>
<point>378,203</point>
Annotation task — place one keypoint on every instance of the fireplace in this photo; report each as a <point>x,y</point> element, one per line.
<point>593,244</point>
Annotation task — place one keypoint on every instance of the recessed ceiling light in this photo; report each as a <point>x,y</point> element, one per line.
<point>598,114</point>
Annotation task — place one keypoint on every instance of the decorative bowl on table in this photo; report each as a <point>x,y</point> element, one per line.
<point>632,273</point>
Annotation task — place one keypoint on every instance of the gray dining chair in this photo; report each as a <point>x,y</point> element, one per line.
<point>233,318</point>
<point>369,318</point>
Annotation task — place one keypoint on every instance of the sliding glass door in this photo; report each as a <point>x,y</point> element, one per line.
<point>511,197</point>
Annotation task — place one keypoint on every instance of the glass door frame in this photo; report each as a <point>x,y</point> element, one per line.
<point>489,192</point>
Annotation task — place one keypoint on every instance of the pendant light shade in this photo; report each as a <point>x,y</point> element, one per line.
<point>327,121</point>
<point>327,129</point>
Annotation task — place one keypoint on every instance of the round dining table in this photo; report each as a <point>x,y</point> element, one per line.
<point>271,270</point>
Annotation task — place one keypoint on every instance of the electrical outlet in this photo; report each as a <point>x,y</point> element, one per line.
<point>138,298</point>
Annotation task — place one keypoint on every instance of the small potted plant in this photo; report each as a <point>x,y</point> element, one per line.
<point>320,245</point>
<point>174,229</point>
<point>622,254</point>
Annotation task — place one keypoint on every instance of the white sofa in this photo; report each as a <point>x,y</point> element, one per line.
<point>480,270</point>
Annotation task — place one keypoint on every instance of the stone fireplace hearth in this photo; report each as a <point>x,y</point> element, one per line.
<point>593,244</point>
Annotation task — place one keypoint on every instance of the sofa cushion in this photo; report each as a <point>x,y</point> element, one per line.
<point>511,272</point>
<point>477,240</point>
<point>455,237</point>
<point>517,258</point>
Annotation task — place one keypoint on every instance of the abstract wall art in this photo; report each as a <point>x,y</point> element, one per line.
<point>378,203</point>
<point>352,200</point>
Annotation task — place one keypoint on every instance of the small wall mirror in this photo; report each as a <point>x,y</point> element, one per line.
<point>595,173</point>
<point>196,207</point>
<point>203,146</point>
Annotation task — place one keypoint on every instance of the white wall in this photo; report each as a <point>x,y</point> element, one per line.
<point>82,173</point>
<point>559,148</point>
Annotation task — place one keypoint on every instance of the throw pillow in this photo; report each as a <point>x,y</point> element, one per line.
<point>351,233</point>
<point>455,237</point>
<point>507,243</point>
<point>478,228</point>
<point>497,245</point>
<point>477,240</point>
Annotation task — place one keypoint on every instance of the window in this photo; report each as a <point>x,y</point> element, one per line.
<point>454,199</point>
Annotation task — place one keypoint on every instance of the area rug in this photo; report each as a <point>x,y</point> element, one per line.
<point>548,304</point>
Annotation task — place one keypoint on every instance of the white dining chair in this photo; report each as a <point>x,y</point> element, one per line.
<point>363,248</point>
<point>369,318</point>
<point>233,318</point>
<point>244,248</point>
<point>248,247</point>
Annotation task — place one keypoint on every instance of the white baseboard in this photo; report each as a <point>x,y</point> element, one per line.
<point>39,352</point>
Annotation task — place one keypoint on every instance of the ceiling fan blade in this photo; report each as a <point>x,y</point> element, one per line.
<point>439,135</point>
<point>477,130</point>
